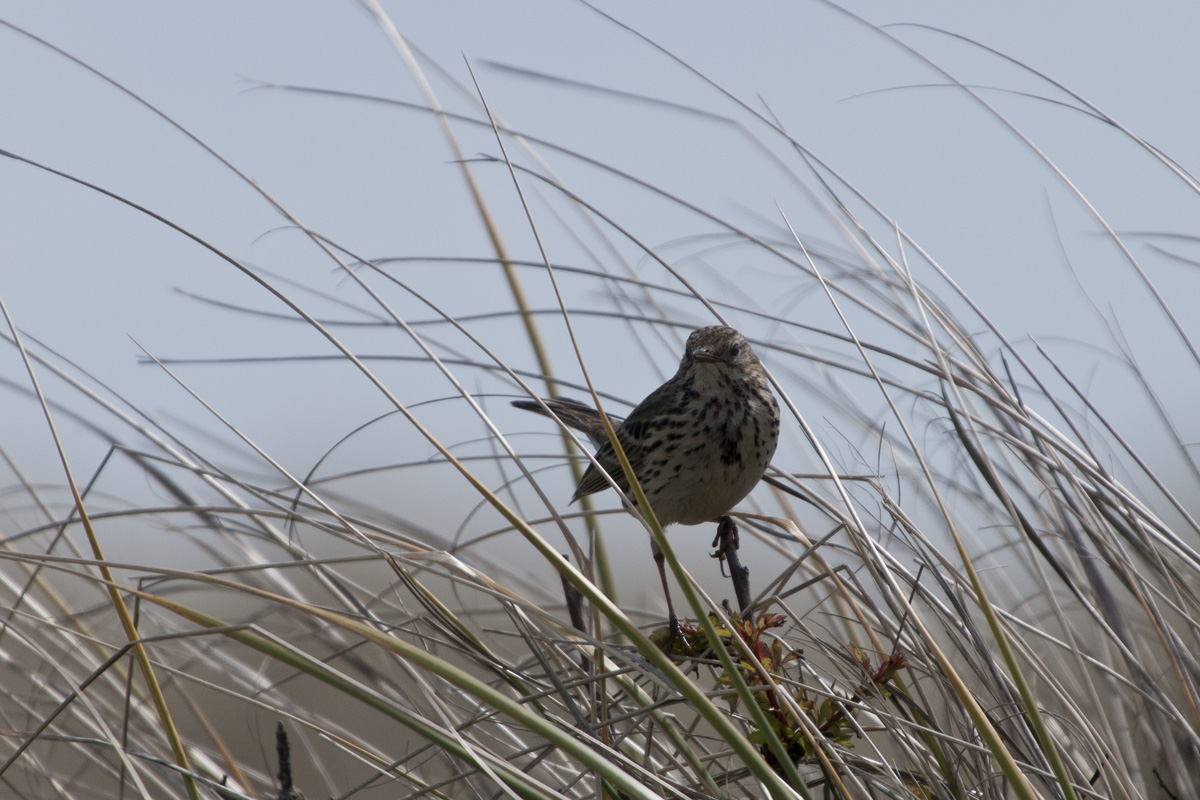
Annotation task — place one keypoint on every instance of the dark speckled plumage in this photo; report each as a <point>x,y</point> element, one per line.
<point>700,442</point>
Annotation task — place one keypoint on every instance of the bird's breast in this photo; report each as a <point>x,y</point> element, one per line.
<point>705,456</point>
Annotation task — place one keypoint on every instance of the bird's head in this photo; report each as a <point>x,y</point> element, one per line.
<point>719,344</point>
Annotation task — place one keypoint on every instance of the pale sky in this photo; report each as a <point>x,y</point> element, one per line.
<point>86,275</point>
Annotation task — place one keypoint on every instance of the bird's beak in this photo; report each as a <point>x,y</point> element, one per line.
<point>702,355</point>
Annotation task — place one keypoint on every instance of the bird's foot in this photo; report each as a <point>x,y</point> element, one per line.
<point>676,631</point>
<point>678,641</point>
<point>726,541</point>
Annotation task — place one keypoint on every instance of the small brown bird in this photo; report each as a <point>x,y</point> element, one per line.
<point>698,444</point>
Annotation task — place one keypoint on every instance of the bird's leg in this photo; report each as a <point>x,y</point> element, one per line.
<point>726,543</point>
<point>673,621</point>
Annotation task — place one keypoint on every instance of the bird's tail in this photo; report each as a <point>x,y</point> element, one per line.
<point>573,414</point>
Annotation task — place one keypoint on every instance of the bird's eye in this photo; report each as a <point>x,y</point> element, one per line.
<point>734,349</point>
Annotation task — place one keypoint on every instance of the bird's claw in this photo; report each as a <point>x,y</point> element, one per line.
<point>726,538</point>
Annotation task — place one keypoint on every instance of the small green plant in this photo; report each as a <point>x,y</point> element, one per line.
<point>763,666</point>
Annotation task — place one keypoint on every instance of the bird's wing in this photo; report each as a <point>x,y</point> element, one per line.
<point>631,434</point>
<point>593,480</point>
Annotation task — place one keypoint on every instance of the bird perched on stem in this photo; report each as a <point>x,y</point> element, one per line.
<point>698,444</point>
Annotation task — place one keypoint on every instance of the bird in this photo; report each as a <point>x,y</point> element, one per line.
<point>698,444</point>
